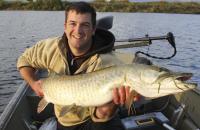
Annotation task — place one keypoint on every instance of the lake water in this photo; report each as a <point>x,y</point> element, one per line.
<point>21,29</point>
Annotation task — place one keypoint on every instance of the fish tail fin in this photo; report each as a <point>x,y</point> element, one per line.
<point>42,105</point>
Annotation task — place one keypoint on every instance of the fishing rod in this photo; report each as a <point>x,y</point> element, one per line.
<point>147,41</point>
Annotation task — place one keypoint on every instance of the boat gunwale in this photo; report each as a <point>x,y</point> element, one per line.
<point>13,105</point>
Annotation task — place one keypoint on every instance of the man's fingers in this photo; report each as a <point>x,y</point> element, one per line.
<point>40,91</point>
<point>37,88</point>
<point>41,94</point>
<point>116,98</point>
<point>122,95</point>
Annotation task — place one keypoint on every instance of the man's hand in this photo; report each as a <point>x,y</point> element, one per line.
<point>36,86</point>
<point>123,94</point>
<point>28,73</point>
<point>120,95</point>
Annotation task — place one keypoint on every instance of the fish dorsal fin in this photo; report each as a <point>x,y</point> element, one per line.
<point>66,109</point>
<point>42,105</point>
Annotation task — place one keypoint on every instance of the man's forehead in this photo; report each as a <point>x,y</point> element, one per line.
<point>73,13</point>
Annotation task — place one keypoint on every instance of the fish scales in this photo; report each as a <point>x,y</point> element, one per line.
<point>95,88</point>
<point>83,89</point>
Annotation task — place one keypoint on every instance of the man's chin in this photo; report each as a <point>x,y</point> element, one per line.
<point>78,41</point>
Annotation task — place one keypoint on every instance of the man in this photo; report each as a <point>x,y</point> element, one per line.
<point>81,49</point>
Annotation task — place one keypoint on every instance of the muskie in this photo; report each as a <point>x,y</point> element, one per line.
<point>95,88</point>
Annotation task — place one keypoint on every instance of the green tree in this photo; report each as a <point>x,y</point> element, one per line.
<point>48,5</point>
<point>1,4</point>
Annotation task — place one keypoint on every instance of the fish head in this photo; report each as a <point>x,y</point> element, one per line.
<point>153,82</point>
<point>173,82</point>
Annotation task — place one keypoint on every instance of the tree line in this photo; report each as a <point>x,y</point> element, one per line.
<point>103,6</point>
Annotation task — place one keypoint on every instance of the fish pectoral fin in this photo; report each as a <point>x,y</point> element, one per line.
<point>42,105</point>
<point>130,101</point>
<point>66,109</point>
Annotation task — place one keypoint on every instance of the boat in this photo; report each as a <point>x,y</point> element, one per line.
<point>173,112</point>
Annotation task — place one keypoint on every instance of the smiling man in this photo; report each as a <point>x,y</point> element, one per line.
<point>79,30</point>
<point>83,48</point>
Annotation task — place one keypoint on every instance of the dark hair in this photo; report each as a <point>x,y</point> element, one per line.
<point>82,7</point>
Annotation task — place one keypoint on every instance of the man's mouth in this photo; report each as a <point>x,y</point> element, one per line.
<point>77,37</point>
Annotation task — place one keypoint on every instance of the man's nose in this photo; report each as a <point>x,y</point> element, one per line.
<point>79,29</point>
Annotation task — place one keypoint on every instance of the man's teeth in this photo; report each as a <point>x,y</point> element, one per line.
<point>77,37</point>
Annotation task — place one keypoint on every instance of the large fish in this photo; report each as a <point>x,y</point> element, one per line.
<point>95,88</point>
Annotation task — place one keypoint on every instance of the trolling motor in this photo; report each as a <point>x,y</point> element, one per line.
<point>147,41</point>
<point>169,37</point>
<point>107,23</point>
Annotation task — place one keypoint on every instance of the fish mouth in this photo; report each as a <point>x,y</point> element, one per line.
<point>184,76</point>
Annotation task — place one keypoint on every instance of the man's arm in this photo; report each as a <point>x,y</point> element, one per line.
<point>28,74</point>
<point>34,57</point>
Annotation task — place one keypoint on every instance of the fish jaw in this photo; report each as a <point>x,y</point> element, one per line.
<point>179,82</point>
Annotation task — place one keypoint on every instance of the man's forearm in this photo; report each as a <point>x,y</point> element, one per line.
<point>28,74</point>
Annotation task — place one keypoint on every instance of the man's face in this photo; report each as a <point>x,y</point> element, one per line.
<point>79,30</point>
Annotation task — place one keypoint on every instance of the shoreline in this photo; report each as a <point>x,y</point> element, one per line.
<point>135,7</point>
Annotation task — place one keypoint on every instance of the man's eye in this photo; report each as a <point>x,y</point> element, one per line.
<point>86,26</point>
<point>72,24</point>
